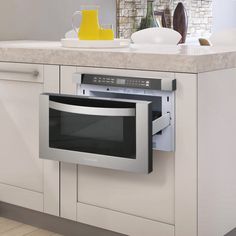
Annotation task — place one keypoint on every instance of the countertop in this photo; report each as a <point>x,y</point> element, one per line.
<point>182,58</point>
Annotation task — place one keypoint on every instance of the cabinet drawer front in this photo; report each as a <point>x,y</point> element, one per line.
<point>21,72</point>
<point>121,223</point>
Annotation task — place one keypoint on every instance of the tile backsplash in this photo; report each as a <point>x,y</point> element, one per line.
<point>130,12</point>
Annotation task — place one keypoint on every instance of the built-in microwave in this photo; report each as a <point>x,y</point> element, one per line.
<point>113,122</point>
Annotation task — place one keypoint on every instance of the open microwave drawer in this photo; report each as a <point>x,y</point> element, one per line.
<point>101,132</point>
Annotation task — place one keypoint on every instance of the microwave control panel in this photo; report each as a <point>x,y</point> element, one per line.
<point>119,81</point>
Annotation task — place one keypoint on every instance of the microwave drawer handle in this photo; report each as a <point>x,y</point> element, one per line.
<point>96,111</point>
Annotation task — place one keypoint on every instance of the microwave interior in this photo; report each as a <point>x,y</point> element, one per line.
<point>162,103</point>
<point>156,101</point>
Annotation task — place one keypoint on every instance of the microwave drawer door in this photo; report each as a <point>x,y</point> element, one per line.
<point>101,132</point>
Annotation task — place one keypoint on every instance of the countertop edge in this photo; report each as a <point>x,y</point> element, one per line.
<point>121,60</point>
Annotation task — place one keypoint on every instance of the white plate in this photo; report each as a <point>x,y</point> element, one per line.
<point>76,43</point>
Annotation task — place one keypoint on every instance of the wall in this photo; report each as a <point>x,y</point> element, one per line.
<point>45,19</point>
<point>224,14</point>
<point>49,20</point>
<point>199,13</point>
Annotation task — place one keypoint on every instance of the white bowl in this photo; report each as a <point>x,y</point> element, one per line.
<point>224,38</point>
<point>156,36</point>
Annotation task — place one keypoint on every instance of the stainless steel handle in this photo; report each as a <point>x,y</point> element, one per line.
<point>96,111</point>
<point>33,73</point>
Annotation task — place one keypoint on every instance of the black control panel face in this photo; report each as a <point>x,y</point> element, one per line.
<point>120,81</point>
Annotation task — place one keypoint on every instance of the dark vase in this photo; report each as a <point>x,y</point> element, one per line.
<point>180,21</point>
<point>149,21</point>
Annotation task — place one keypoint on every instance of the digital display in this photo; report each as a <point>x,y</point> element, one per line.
<point>120,81</point>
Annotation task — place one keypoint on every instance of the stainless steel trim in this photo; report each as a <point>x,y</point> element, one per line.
<point>97,111</point>
<point>142,139</point>
<point>167,84</point>
<point>33,73</point>
<point>161,123</point>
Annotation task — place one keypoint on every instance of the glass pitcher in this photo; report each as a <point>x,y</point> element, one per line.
<point>89,27</point>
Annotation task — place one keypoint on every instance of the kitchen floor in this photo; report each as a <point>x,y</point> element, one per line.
<point>14,228</point>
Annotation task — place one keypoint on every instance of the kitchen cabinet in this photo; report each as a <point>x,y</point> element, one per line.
<point>190,192</point>
<point>26,180</point>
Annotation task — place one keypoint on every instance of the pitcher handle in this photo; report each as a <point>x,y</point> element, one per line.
<point>73,20</point>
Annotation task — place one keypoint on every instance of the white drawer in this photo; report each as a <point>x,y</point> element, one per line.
<point>122,223</point>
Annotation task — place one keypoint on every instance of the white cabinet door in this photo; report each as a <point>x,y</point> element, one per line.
<point>147,196</point>
<point>21,170</point>
<point>20,165</point>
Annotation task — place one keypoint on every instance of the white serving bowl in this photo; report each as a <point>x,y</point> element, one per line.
<point>156,36</point>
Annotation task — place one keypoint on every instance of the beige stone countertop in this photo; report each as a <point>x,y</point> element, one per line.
<point>185,59</point>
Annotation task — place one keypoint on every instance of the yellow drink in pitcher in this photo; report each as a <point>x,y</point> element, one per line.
<point>89,28</point>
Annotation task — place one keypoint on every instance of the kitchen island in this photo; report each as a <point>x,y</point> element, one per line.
<point>191,191</point>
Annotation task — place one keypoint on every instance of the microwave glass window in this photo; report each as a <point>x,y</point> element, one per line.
<point>113,136</point>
